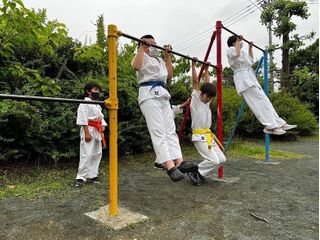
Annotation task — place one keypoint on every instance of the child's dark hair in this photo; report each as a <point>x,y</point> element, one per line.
<point>209,89</point>
<point>232,40</point>
<point>89,86</point>
<point>145,36</point>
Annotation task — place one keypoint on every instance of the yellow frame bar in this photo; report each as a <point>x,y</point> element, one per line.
<point>112,104</point>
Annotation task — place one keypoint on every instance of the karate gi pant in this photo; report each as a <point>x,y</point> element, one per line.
<point>262,108</point>
<point>212,157</point>
<point>162,129</point>
<point>90,157</point>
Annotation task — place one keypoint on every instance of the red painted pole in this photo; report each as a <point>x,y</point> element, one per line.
<point>219,90</point>
<point>187,114</point>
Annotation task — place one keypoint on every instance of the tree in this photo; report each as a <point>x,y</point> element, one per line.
<point>282,11</point>
<point>102,42</point>
<point>307,57</point>
<point>101,34</point>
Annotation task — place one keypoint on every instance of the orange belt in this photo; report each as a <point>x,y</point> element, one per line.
<point>98,125</point>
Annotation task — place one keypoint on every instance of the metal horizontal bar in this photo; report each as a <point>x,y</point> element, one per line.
<point>47,99</point>
<point>164,49</point>
<point>228,30</point>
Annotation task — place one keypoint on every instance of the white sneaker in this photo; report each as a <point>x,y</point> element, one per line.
<point>288,127</point>
<point>275,131</point>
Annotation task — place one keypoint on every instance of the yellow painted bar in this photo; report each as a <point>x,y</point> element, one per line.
<point>112,104</point>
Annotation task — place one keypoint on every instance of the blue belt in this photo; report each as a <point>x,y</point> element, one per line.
<point>153,84</point>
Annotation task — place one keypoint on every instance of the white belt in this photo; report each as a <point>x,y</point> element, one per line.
<point>242,70</point>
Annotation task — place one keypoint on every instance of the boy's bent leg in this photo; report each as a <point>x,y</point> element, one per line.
<point>211,159</point>
<point>221,156</point>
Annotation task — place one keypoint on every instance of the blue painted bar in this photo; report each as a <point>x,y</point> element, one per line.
<point>266,90</point>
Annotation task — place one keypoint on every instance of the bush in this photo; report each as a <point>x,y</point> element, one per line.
<point>288,107</point>
<point>294,112</point>
<point>39,132</point>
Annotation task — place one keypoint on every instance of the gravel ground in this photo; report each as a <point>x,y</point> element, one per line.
<point>268,202</point>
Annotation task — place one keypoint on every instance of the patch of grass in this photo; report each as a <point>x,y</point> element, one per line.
<point>29,182</point>
<point>314,137</point>
<point>35,182</point>
<point>243,150</point>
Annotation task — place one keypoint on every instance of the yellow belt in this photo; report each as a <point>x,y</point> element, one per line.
<point>209,134</point>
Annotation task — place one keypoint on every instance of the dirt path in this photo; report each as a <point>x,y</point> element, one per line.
<point>285,195</point>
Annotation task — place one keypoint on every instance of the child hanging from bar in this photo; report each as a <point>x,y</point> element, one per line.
<point>92,125</point>
<point>202,137</point>
<point>248,86</point>
<point>152,74</point>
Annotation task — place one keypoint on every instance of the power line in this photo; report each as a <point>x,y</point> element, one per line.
<point>233,21</point>
<point>201,34</point>
<point>247,10</point>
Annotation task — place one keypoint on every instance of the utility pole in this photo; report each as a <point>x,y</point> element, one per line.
<point>271,81</point>
<point>264,4</point>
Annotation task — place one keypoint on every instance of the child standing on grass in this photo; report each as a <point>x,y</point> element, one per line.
<point>201,122</point>
<point>92,125</point>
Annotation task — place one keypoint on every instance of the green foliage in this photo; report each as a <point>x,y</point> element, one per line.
<point>27,133</point>
<point>280,14</point>
<point>90,58</point>
<point>288,107</point>
<point>294,112</point>
<point>281,11</point>
<point>307,57</point>
<point>101,34</point>
<point>305,86</point>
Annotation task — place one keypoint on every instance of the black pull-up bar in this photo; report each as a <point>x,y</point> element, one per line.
<point>228,30</point>
<point>47,99</point>
<point>164,49</point>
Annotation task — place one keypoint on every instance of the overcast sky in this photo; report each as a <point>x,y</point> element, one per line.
<point>186,24</point>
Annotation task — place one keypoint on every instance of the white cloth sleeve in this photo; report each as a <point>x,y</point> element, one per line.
<point>82,115</point>
<point>176,109</point>
<point>232,55</point>
<point>195,98</point>
<point>104,122</point>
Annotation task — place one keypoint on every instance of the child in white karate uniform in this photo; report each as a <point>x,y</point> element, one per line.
<point>152,74</point>
<point>202,136</point>
<point>176,109</point>
<point>248,86</point>
<point>91,120</point>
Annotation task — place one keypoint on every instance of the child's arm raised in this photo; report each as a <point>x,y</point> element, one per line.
<point>195,83</point>
<point>206,74</point>
<point>138,60</point>
<point>238,45</point>
<point>168,61</point>
<point>250,49</point>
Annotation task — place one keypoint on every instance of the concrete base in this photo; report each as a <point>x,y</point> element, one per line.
<point>122,220</point>
<point>268,162</point>
<point>226,180</point>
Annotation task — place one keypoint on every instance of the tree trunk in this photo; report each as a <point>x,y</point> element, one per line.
<point>285,78</point>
